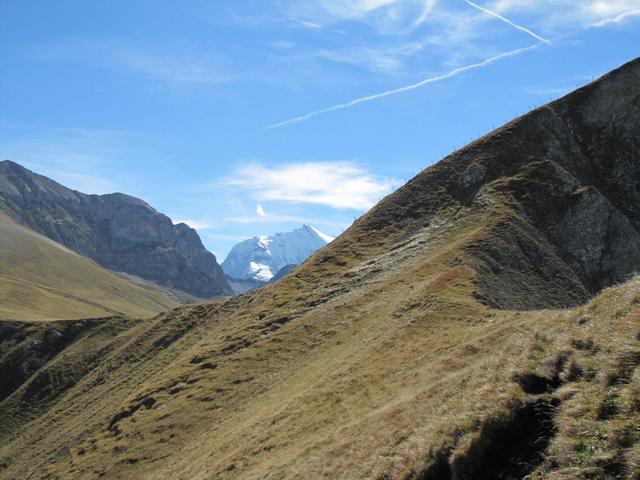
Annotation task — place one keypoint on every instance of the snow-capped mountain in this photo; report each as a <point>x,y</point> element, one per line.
<point>260,258</point>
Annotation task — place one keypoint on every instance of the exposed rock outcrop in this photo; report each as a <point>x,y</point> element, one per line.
<point>564,181</point>
<point>119,232</point>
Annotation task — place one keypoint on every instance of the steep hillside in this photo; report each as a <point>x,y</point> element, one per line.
<point>561,185</point>
<point>120,232</point>
<point>42,280</point>
<point>459,330</point>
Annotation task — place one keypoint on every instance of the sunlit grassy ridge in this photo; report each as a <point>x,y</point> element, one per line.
<point>383,389</point>
<point>381,378</point>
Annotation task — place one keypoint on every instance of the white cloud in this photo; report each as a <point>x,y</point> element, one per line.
<point>400,17</point>
<point>176,65</point>
<point>455,39</point>
<point>402,37</point>
<point>616,19</point>
<point>373,59</point>
<point>312,25</point>
<point>196,224</point>
<point>384,16</point>
<point>349,9</point>
<point>428,6</point>
<point>562,15</point>
<point>609,8</point>
<point>340,185</point>
<point>260,211</point>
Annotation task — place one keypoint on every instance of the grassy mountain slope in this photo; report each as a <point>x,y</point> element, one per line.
<point>41,280</point>
<point>361,394</point>
<point>458,330</point>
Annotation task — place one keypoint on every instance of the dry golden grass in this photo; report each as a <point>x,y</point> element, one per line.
<point>41,280</point>
<point>370,361</point>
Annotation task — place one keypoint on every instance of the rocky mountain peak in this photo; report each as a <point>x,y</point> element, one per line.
<point>559,190</point>
<point>118,231</point>
<point>260,258</point>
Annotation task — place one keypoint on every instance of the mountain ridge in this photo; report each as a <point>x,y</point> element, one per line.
<point>118,231</point>
<point>473,324</point>
<point>43,280</point>
<point>542,137</point>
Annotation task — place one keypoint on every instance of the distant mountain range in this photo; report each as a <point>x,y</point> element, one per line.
<point>119,232</point>
<point>261,259</point>
<point>128,236</point>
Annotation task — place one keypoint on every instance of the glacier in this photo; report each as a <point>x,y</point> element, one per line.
<point>261,257</point>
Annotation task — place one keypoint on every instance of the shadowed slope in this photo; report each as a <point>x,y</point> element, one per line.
<point>562,182</point>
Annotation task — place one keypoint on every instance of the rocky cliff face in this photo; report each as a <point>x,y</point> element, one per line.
<point>562,184</point>
<point>118,231</point>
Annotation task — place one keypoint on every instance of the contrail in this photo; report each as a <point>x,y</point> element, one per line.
<point>515,25</point>
<point>428,6</point>
<point>623,16</point>
<point>413,86</point>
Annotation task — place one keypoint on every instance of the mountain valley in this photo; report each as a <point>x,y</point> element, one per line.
<point>482,321</point>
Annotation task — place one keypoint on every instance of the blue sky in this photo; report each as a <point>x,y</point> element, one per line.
<point>251,117</point>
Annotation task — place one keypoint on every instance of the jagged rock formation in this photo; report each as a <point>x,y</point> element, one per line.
<point>118,231</point>
<point>562,182</point>
<point>410,347</point>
